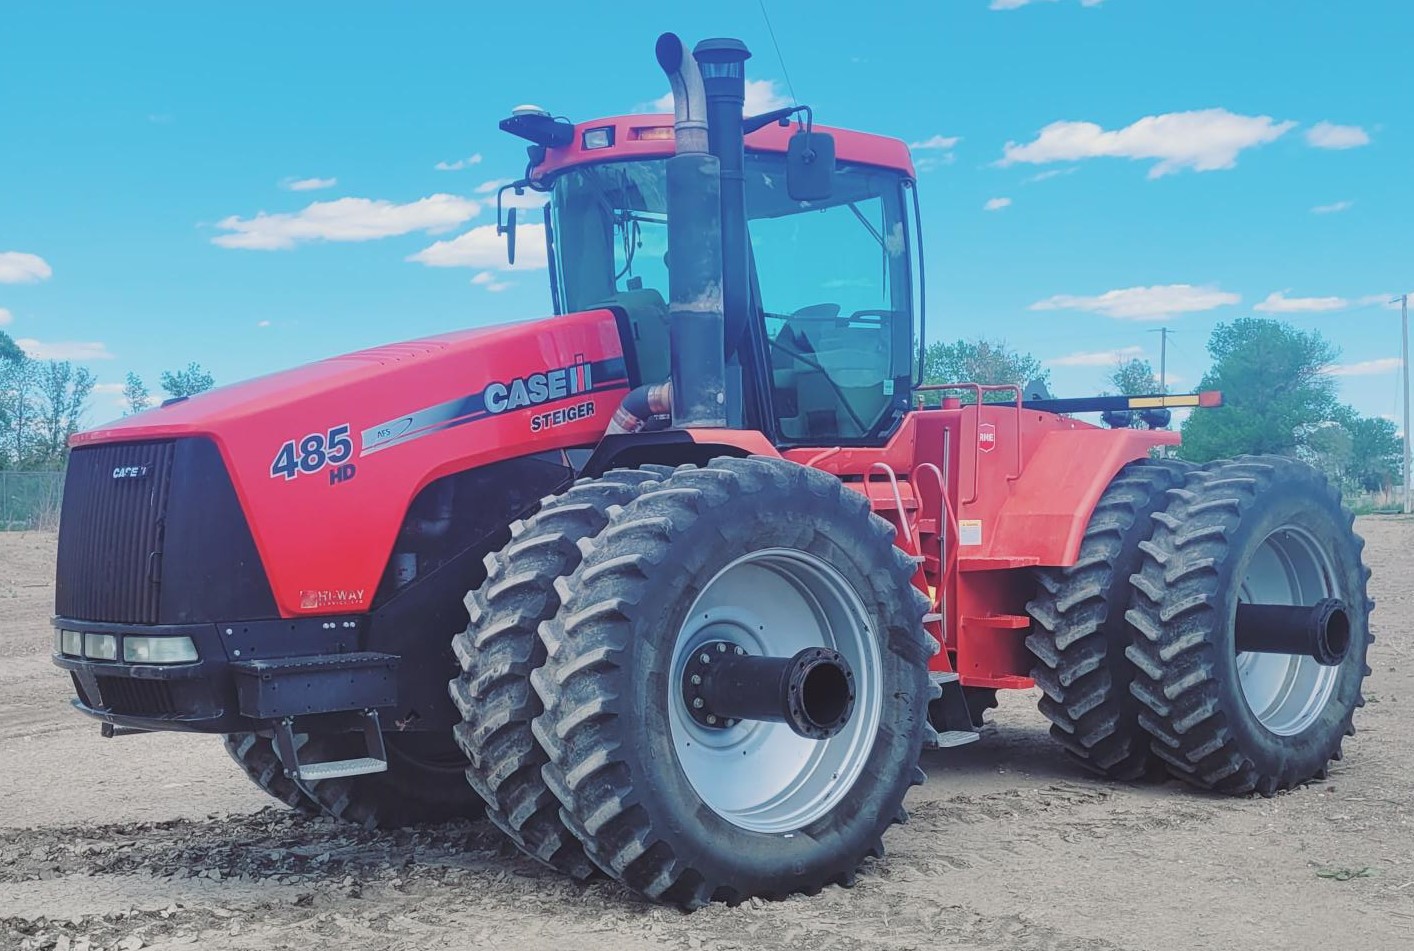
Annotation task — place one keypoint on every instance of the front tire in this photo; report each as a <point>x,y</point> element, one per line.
<point>255,754</point>
<point>500,648</point>
<point>770,556</point>
<point>1261,529</point>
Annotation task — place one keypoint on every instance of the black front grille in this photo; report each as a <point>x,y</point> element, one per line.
<point>136,698</point>
<point>111,532</point>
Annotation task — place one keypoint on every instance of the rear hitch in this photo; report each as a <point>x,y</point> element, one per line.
<point>812,692</point>
<point>1320,630</point>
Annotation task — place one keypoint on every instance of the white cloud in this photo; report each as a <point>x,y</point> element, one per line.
<point>942,143</point>
<point>65,350</point>
<point>1278,303</point>
<point>1205,140</point>
<point>491,282</point>
<point>308,184</point>
<point>1328,135</point>
<point>1144,303</point>
<point>1333,208</point>
<point>482,248</point>
<point>17,267</point>
<point>935,150</point>
<point>1097,358</point>
<point>459,164</point>
<point>1049,174</point>
<point>262,323</point>
<point>113,388</point>
<point>996,204</point>
<point>345,219</point>
<point>1366,367</point>
<point>491,187</point>
<point>1018,4</point>
<point>5,317</point>
<point>762,95</point>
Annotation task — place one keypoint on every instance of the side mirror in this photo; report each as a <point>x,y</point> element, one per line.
<point>810,166</point>
<point>510,231</point>
<point>508,228</point>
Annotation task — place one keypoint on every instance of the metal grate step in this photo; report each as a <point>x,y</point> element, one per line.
<point>956,738</point>
<point>343,767</point>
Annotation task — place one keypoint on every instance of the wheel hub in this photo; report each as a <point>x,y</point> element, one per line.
<point>812,692</point>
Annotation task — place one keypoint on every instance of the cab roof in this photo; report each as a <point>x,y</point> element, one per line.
<point>650,136</point>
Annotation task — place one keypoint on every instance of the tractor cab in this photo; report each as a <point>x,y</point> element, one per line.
<point>832,278</point>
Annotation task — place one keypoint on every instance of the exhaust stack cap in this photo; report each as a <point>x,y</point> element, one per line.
<point>721,58</point>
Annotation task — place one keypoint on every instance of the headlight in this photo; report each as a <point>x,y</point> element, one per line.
<point>158,650</point>
<point>71,643</point>
<point>100,646</point>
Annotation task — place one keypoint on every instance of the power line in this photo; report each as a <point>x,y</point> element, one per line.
<point>774,42</point>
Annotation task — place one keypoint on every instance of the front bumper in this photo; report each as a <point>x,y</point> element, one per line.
<point>203,697</point>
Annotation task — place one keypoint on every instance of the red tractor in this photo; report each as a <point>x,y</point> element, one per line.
<point>703,574</point>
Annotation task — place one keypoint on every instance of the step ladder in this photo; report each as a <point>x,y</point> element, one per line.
<point>948,710</point>
<point>375,762</point>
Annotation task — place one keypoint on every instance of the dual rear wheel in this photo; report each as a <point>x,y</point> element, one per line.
<point>1145,649</point>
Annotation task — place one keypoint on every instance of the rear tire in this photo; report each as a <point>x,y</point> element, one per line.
<point>671,821</point>
<point>500,648</point>
<point>255,754</point>
<point>1080,635</point>
<point>1268,530</point>
<point>425,780</point>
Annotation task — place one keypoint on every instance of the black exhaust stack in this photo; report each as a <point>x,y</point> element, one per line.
<point>695,243</point>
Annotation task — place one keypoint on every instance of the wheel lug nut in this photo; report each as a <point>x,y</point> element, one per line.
<point>705,658</point>
<point>740,650</point>
<point>712,719</point>
<point>697,703</point>
<point>696,679</point>
<point>721,648</point>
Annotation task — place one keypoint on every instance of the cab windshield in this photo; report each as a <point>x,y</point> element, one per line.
<point>833,280</point>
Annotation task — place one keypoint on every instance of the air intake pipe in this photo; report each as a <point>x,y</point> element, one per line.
<point>695,316</point>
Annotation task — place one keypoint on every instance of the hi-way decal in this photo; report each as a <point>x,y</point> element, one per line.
<point>545,387</point>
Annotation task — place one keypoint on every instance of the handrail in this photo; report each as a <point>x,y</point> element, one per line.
<point>898,503</point>
<point>979,389</point>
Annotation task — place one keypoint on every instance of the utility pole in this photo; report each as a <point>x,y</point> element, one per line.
<point>1163,333</point>
<point>1404,365</point>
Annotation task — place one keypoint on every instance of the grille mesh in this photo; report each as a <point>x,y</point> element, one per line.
<point>110,535</point>
<point>131,697</point>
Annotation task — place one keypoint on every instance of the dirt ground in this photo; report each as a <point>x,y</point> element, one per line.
<point>158,842</point>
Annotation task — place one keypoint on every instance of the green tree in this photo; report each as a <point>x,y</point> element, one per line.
<point>1275,390</point>
<point>135,394</point>
<point>1375,458</point>
<point>19,408</point>
<point>10,351</point>
<point>189,382</point>
<point>1134,378</point>
<point>63,392</point>
<point>980,361</point>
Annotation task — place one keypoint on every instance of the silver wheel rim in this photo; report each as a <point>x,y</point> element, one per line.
<point>762,776</point>
<point>1287,692</point>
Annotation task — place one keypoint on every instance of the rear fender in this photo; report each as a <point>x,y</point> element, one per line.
<point>1051,501</point>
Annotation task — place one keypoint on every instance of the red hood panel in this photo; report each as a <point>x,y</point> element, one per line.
<point>326,457</point>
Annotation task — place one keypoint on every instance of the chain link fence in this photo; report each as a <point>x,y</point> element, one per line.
<point>29,501</point>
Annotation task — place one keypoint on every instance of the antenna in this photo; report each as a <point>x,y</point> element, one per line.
<point>774,42</point>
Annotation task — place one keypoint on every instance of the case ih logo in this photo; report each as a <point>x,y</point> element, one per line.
<point>986,437</point>
<point>131,472</point>
<point>538,388</point>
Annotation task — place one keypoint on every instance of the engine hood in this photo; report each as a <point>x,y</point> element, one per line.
<point>326,457</point>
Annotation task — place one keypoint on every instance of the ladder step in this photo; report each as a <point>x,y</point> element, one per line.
<point>932,618</point>
<point>943,676</point>
<point>949,738</point>
<point>340,768</point>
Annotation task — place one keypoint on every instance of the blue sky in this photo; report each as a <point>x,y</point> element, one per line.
<point>259,188</point>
